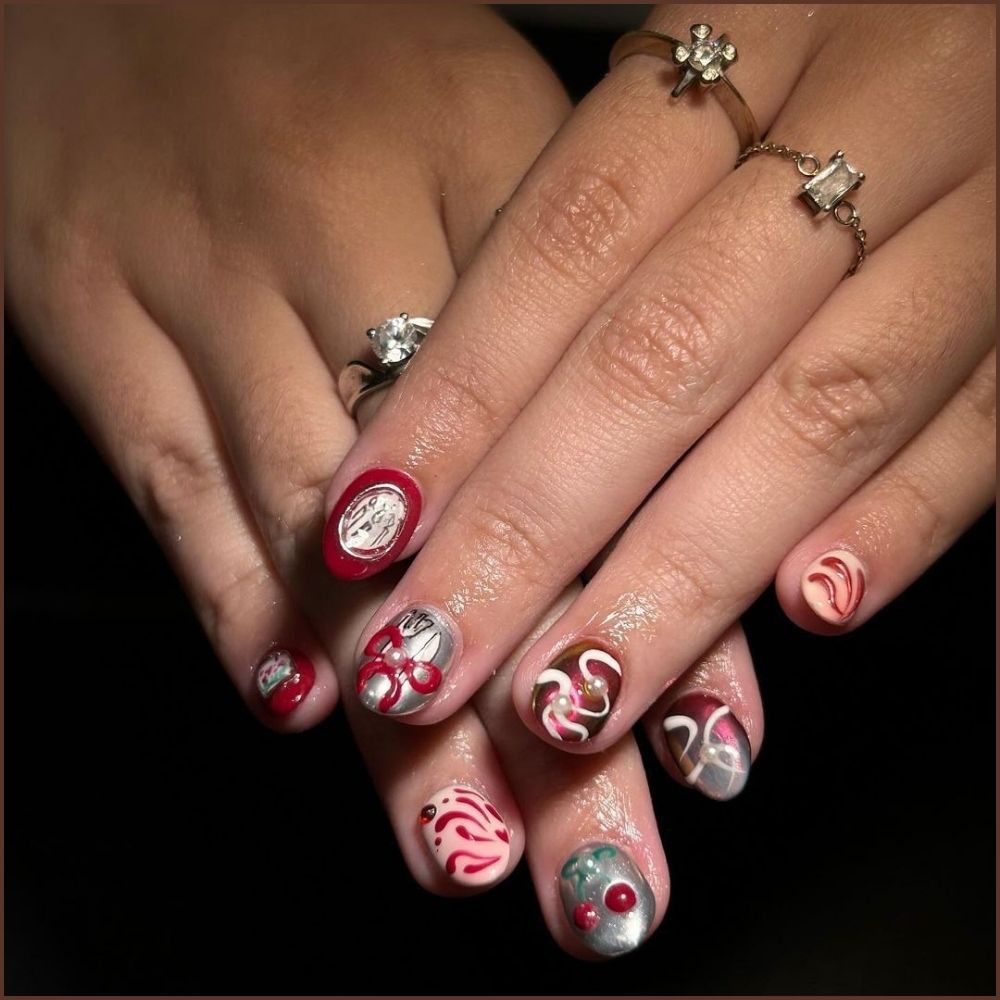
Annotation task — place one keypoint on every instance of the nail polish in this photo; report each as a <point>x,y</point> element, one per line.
<point>284,678</point>
<point>709,745</point>
<point>573,696</point>
<point>404,663</point>
<point>833,585</point>
<point>608,903</point>
<point>466,834</point>
<point>371,523</point>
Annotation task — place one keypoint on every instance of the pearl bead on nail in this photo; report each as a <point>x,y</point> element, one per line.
<point>394,657</point>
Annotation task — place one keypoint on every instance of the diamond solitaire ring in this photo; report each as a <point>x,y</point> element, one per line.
<point>704,59</point>
<point>394,341</point>
<point>826,189</point>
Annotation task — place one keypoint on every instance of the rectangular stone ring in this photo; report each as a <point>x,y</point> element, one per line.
<point>394,342</point>
<point>704,59</point>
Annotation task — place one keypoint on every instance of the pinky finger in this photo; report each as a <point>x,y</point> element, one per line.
<point>708,727</point>
<point>134,393</point>
<point>888,532</point>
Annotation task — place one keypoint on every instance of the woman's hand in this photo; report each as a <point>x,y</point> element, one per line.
<point>639,299</point>
<point>206,209</point>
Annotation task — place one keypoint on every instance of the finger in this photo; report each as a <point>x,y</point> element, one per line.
<point>707,728</point>
<point>592,841</point>
<point>864,376</point>
<point>623,170</point>
<point>887,533</point>
<point>137,398</point>
<point>652,372</point>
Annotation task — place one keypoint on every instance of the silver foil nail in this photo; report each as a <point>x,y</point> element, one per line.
<point>405,662</point>
<point>608,903</point>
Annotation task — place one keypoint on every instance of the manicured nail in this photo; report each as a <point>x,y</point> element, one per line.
<point>607,901</point>
<point>833,585</point>
<point>573,695</point>
<point>466,835</point>
<point>405,662</point>
<point>284,678</point>
<point>371,523</point>
<point>709,745</point>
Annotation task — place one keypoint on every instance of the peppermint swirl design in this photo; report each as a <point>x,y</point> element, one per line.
<point>833,586</point>
<point>574,695</point>
<point>709,745</point>
<point>466,834</point>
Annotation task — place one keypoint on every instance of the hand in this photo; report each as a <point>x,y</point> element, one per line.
<point>207,211</point>
<point>639,299</point>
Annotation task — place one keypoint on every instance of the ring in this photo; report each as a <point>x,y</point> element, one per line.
<point>826,189</point>
<point>394,342</point>
<point>704,59</point>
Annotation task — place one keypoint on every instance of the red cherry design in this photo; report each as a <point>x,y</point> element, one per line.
<point>620,898</point>
<point>586,917</point>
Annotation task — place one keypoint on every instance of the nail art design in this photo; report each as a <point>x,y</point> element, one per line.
<point>284,678</point>
<point>573,696</point>
<point>833,585</point>
<point>371,523</point>
<point>709,745</point>
<point>466,835</point>
<point>405,662</point>
<point>607,901</point>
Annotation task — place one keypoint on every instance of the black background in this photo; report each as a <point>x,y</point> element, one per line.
<point>159,841</point>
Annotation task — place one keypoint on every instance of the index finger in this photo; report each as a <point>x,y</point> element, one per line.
<point>628,164</point>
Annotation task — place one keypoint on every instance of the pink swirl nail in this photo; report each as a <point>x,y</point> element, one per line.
<point>833,585</point>
<point>466,834</point>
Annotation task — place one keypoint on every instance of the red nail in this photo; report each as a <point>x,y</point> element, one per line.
<point>284,678</point>
<point>371,523</point>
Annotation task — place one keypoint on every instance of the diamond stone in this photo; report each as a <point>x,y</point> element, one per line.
<point>705,55</point>
<point>823,192</point>
<point>394,340</point>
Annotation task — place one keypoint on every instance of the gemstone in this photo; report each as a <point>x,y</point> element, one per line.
<point>824,191</point>
<point>620,898</point>
<point>706,54</point>
<point>396,339</point>
<point>427,814</point>
<point>586,917</point>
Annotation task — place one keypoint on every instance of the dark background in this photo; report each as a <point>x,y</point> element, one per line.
<point>159,841</point>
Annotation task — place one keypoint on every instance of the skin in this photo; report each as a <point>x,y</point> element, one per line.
<point>641,302</point>
<point>201,222</point>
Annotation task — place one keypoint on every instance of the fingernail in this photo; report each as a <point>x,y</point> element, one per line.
<point>833,585</point>
<point>371,523</point>
<point>608,903</point>
<point>284,678</point>
<point>466,834</point>
<point>405,662</point>
<point>709,745</point>
<point>573,696</point>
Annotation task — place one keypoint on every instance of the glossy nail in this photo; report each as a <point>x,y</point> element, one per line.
<point>405,662</point>
<point>371,523</point>
<point>573,696</point>
<point>834,584</point>
<point>466,834</point>
<point>709,745</point>
<point>284,678</point>
<point>608,903</point>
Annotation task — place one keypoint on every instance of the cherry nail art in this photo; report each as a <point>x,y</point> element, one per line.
<point>709,745</point>
<point>371,523</point>
<point>572,698</point>
<point>607,902</point>
<point>833,585</point>
<point>284,678</point>
<point>466,834</point>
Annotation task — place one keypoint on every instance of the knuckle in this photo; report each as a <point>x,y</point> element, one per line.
<point>832,406</point>
<point>578,224</point>
<point>921,512</point>
<point>511,535</point>
<point>980,393</point>
<point>225,607</point>
<point>656,352</point>
<point>176,478</point>
<point>687,578</point>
